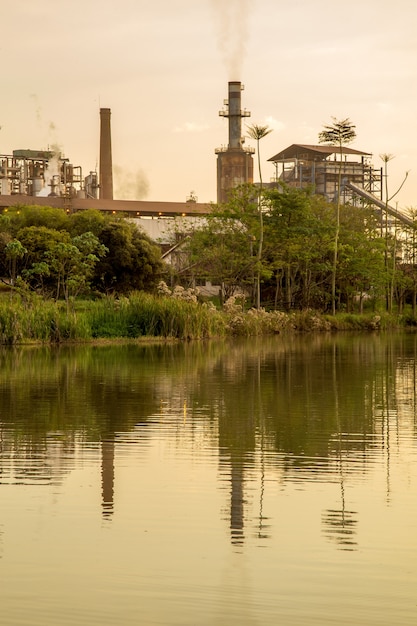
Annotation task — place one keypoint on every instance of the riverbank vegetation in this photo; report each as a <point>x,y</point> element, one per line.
<point>87,276</point>
<point>375,268</point>
<point>61,255</point>
<point>142,315</point>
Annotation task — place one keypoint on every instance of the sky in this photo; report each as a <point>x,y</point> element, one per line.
<point>163,66</point>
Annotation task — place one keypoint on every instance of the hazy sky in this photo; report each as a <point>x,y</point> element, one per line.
<point>162,67</point>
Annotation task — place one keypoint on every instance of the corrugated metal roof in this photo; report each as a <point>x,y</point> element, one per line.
<point>299,150</point>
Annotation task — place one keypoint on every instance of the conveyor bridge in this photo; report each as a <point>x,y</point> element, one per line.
<point>366,195</point>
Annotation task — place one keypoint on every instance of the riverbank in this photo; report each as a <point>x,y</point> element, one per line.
<point>146,317</point>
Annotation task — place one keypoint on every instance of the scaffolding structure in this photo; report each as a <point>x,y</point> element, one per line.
<point>320,167</point>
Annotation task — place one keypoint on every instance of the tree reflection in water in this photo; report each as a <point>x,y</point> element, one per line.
<point>283,409</point>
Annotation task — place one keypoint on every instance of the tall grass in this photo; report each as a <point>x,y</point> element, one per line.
<point>143,315</point>
<point>36,320</point>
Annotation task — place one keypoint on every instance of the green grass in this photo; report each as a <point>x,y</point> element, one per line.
<point>35,320</point>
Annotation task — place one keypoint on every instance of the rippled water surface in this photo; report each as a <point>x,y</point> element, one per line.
<point>257,482</point>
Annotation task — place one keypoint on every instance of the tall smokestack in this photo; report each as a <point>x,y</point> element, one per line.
<point>234,163</point>
<point>106,166</point>
<point>235,116</point>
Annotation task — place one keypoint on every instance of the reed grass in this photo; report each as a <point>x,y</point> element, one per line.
<point>37,320</point>
<point>145,315</point>
<point>26,320</point>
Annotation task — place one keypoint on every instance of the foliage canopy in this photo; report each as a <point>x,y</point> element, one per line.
<point>62,255</point>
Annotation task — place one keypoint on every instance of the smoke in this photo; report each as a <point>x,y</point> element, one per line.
<point>38,110</point>
<point>52,172</point>
<point>231,17</point>
<point>130,185</point>
<point>48,129</point>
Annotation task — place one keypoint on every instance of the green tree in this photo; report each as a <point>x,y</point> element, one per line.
<point>361,267</point>
<point>18,217</point>
<point>38,240</point>
<point>72,263</point>
<point>222,248</point>
<point>133,261</point>
<point>56,264</point>
<point>297,239</point>
<point>91,221</point>
<point>257,133</point>
<point>390,251</point>
<point>14,251</point>
<point>340,133</point>
<point>410,258</point>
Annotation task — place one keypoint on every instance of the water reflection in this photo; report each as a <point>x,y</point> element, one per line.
<point>107,477</point>
<point>340,526</point>
<point>282,411</point>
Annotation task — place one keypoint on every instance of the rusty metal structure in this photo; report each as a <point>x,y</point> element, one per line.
<point>318,166</point>
<point>48,174</point>
<point>234,161</point>
<point>39,173</point>
<point>47,178</point>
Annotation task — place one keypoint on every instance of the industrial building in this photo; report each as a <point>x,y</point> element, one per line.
<point>234,161</point>
<point>39,173</point>
<point>47,178</point>
<point>318,166</point>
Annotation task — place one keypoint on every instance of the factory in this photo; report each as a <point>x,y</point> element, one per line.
<point>46,178</point>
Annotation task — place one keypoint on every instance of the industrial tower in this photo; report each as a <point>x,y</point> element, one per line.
<point>234,162</point>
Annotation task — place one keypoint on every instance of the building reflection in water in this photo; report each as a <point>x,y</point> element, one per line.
<point>107,477</point>
<point>268,406</point>
<point>237,444</point>
<point>236,502</point>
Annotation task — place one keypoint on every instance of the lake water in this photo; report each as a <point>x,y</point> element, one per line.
<point>253,482</point>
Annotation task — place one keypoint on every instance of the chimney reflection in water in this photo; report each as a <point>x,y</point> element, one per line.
<point>107,477</point>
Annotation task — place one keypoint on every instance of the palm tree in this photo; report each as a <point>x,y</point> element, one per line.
<point>257,133</point>
<point>340,133</point>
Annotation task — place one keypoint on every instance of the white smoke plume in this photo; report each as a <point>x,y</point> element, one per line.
<point>52,172</point>
<point>130,185</point>
<point>231,19</point>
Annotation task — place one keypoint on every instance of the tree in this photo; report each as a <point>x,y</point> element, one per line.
<point>13,252</point>
<point>133,261</point>
<point>338,134</point>
<point>56,264</point>
<point>221,249</point>
<point>72,263</point>
<point>88,221</point>
<point>35,267</point>
<point>410,258</point>
<point>361,267</point>
<point>390,269</point>
<point>257,133</point>
<point>298,224</point>
<point>22,216</point>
